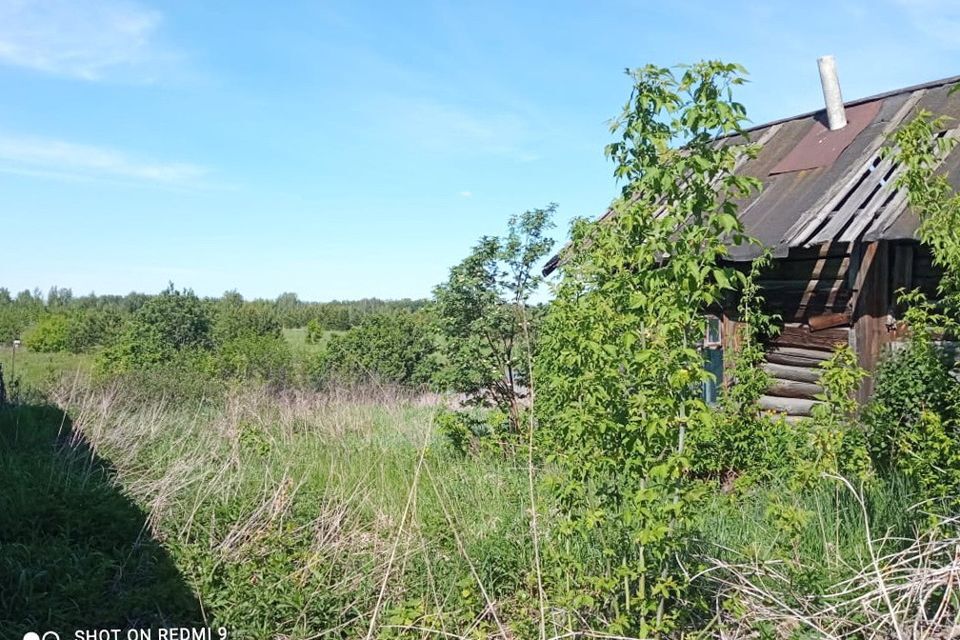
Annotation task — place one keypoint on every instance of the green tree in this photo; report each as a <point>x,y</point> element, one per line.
<point>165,327</point>
<point>483,315</point>
<point>619,370</point>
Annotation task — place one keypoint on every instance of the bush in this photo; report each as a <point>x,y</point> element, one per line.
<point>235,319</point>
<point>50,334</point>
<point>166,325</point>
<point>78,331</point>
<point>392,347</point>
<point>251,356</point>
<point>911,380</point>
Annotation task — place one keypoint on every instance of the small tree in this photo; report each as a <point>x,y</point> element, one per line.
<point>482,310</point>
<point>619,370</point>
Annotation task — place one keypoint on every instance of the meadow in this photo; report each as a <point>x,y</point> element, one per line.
<point>479,466</point>
<point>345,514</point>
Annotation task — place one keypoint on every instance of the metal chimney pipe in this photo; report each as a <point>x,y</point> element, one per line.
<point>836,116</point>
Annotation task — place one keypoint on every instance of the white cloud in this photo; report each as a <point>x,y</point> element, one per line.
<point>466,194</point>
<point>440,127</point>
<point>67,160</point>
<point>90,40</point>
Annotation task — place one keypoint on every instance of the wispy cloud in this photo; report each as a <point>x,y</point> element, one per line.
<point>89,40</point>
<point>441,127</point>
<point>67,160</point>
<point>466,194</point>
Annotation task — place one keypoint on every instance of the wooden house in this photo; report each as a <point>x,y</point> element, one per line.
<point>841,234</point>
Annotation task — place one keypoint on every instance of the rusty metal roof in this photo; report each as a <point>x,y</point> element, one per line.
<point>821,186</point>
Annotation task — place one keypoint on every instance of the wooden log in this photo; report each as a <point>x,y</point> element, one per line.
<point>789,406</point>
<point>807,269</point>
<point>801,304</point>
<point>797,357</point>
<point>793,389</point>
<point>828,321</point>
<point>799,287</point>
<point>793,372</point>
<point>829,250</point>
<point>794,335</point>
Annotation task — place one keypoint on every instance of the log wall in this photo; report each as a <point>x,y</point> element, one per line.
<point>829,295</point>
<point>812,291</point>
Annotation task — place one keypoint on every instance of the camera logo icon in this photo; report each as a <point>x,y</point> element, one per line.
<point>47,635</point>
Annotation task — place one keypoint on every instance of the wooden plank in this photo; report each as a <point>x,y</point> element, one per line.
<point>797,357</point>
<point>800,287</point>
<point>793,389</point>
<point>793,372</point>
<point>793,335</point>
<point>808,222</point>
<point>863,266</point>
<point>902,277</point>
<point>804,305</point>
<point>804,269</point>
<point>789,406</point>
<point>870,332</point>
<point>828,321</point>
<point>856,211</point>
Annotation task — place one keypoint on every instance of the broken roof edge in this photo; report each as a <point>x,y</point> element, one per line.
<point>778,250</point>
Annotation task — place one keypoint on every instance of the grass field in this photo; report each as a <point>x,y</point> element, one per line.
<point>275,516</point>
<point>345,514</point>
<point>41,370</point>
<point>297,339</point>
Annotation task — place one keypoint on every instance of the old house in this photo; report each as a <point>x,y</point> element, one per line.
<point>841,234</point>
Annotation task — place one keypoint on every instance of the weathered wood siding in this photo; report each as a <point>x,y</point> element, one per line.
<point>811,290</point>
<point>793,363</point>
<point>838,293</point>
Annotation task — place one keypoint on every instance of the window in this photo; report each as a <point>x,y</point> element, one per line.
<point>712,349</point>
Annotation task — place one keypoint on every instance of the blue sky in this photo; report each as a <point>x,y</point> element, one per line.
<point>353,149</point>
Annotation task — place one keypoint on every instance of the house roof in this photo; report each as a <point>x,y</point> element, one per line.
<point>824,186</point>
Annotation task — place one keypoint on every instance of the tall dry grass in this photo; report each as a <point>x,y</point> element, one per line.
<point>903,587</point>
<point>334,514</point>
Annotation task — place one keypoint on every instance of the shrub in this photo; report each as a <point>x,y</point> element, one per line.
<point>165,326</point>
<point>315,332</point>
<point>619,371</point>
<point>914,418</point>
<point>391,347</point>
<point>838,439</point>
<point>237,319</point>
<point>50,334</point>
<point>77,331</point>
<point>252,356</point>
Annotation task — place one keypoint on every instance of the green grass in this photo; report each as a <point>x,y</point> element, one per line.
<point>300,514</point>
<point>286,516</point>
<point>297,339</point>
<point>72,549</point>
<point>39,370</point>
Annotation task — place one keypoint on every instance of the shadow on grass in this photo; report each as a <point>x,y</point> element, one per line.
<point>74,551</point>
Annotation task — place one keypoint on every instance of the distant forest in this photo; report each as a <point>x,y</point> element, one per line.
<point>20,311</point>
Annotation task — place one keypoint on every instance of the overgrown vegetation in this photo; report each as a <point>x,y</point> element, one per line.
<point>482,466</point>
<point>620,368</point>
